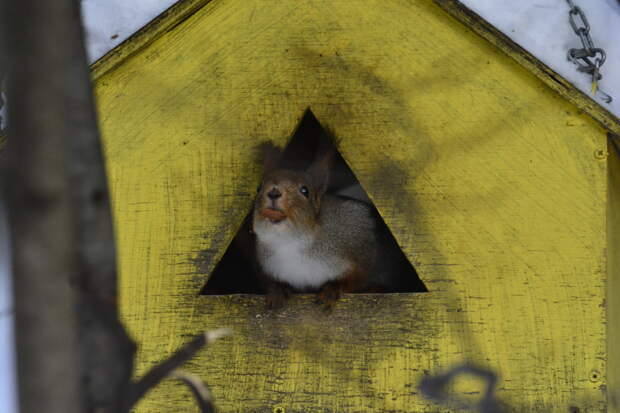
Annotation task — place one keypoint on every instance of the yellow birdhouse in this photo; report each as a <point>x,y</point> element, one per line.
<point>502,193</point>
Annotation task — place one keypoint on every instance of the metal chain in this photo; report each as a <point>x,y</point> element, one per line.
<point>589,58</point>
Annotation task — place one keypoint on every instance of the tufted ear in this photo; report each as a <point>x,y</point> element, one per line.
<point>319,171</point>
<point>271,156</point>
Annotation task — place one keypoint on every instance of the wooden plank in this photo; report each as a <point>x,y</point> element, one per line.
<point>530,62</point>
<point>613,283</point>
<point>339,362</point>
<point>492,183</point>
<point>158,26</point>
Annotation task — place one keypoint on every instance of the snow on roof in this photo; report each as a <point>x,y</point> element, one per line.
<point>109,22</point>
<point>539,26</point>
<point>542,28</point>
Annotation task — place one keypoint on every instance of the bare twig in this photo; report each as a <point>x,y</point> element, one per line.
<point>168,366</point>
<point>199,390</point>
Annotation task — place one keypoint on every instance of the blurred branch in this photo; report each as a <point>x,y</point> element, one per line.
<point>199,390</point>
<point>167,367</point>
<point>74,355</point>
<point>38,39</point>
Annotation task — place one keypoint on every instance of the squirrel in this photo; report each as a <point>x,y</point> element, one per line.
<point>308,240</point>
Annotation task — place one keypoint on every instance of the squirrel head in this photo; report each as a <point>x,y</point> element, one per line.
<point>290,200</point>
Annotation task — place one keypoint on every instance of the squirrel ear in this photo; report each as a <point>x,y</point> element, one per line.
<point>271,156</point>
<point>319,171</point>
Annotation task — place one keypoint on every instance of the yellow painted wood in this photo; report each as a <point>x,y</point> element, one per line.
<point>530,62</point>
<point>174,15</point>
<point>489,180</point>
<point>613,285</point>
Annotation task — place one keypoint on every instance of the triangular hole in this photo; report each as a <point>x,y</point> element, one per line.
<point>236,273</point>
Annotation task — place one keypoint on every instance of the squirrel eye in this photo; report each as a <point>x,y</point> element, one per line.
<point>304,191</point>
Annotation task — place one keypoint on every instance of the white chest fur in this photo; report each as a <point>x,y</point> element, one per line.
<point>288,259</point>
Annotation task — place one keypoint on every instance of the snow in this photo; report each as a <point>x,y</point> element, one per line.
<point>8,388</point>
<point>542,28</point>
<point>109,22</point>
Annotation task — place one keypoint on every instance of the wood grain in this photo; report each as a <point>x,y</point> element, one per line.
<point>489,180</point>
<point>533,64</point>
<point>165,21</point>
<point>613,283</point>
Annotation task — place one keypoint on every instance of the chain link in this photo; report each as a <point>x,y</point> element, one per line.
<point>589,58</point>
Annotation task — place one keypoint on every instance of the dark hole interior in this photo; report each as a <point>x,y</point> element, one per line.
<point>236,271</point>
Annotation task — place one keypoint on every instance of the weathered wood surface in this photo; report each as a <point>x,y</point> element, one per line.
<point>159,25</point>
<point>531,63</point>
<point>613,284</point>
<point>492,183</point>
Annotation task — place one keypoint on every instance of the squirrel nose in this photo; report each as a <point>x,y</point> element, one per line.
<point>274,194</point>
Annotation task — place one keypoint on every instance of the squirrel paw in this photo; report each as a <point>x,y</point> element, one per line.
<point>329,294</point>
<point>277,297</point>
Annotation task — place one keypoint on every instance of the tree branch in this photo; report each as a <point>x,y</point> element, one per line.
<point>38,38</point>
<point>73,353</point>
<point>168,366</point>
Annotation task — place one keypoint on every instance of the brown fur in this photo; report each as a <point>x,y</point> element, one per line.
<point>350,282</point>
<point>336,230</point>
